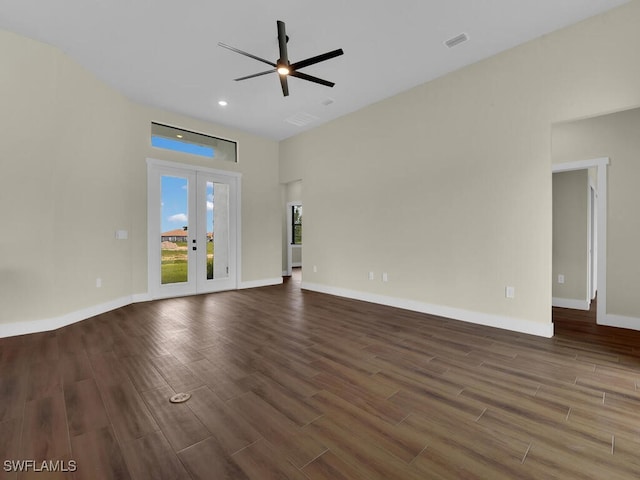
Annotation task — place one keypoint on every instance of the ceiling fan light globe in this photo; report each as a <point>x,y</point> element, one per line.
<point>283,70</point>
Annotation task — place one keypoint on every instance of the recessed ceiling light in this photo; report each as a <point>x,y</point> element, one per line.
<point>179,136</point>
<point>222,103</point>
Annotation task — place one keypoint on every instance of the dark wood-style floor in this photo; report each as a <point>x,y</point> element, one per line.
<point>297,385</point>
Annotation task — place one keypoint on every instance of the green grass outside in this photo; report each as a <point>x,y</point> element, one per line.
<point>174,264</point>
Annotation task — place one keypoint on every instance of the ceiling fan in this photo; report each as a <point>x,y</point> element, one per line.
<point>283,67</point>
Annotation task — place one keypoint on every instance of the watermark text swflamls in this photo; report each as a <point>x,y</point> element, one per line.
<point>40,466</point>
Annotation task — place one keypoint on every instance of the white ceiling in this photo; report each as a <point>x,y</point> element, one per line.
<point>164,53</point>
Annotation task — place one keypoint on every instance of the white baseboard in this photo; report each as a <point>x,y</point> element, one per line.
<point>265,282</point>
<point>620,321</point>
<point>507,323</point>
<point>45,325</point>
<point>285,273</point>
<point>48,324</point>
<point>141,297</point>
<point>296,264</point>
<point>570,303</point>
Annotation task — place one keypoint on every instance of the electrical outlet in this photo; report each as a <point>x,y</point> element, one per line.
<point>371,276</point>
<point>385,277</point>
<point>510,292</point>
<point>561,279</point>
<point>98,282</point>
<point>315,269</point>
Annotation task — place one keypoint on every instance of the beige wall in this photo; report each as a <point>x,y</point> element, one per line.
<point>73,171</point>
<point>614,136</point>
<point>570,235</point>
<point>448,186</point>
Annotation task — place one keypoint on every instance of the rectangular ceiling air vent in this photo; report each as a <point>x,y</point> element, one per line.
<point>301,119</point>
<point>457,40</point>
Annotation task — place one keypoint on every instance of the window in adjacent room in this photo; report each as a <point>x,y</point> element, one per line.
<point>296,224</point>
<point>185,141</point>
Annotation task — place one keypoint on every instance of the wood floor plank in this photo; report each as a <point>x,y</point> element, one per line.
<point>176,374</point>
<point>151,457</point>
<point>208,460</point>
<point>142,372</point>
<point>402,441</point>
<point>328,466</point>
<point>364,456</point>
<point>44,430</point>
<point>128,413</point>
<point>179,424</point>
<point>44,380</point>
<point>217,379</point>
<point>13,393</point>
<point>295,408</point>
<point>9,445</point>
<point>74,366</point>
<point>373,404</point>
<point>85,409</point>
<point>277,429</point>
<point>261,461</point>
<point>232,431</point>
<point>98,456</point>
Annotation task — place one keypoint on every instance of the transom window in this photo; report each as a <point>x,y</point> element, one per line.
<point>185,141</point>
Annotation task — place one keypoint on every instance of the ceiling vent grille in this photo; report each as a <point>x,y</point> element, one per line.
<point>457,40</point>
<point>301,119</point>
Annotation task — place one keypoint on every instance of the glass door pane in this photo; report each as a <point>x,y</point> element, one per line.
<point>174,228</point>
<point>217,228</point>
<point>219,259</point>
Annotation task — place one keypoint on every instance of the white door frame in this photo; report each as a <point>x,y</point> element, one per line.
<point>601,213</point>
<point>154,167</point>
<point>289,234</point>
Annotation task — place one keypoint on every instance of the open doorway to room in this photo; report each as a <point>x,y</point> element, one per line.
<point>579,235</point>
<point>292,231</point>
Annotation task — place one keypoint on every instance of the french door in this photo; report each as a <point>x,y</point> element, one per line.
<point>192,228</point>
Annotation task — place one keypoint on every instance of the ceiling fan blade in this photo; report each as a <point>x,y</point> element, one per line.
<point>255,75</point>
<point>284,85</point>
<point>317,59</point>
<point>233,49</point>
<point>282,43</point>
<point>310,78</point>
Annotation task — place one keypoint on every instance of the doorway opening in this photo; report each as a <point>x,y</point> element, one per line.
<point>595,195</point>
<point>294,236</point>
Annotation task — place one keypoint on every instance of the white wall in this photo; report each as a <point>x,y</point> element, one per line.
<point>73,172</point>
<point>570,238</point>
<point>447,187</point>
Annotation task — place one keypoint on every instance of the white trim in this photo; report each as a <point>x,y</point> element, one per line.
<point>296,264</point>
<point>194,168</point>
<point>498,321</point>
<point>620,321</point>
<point>141,297</point>
<point>580,165</point>
<point>285,273</point>
<point>601,212</point>
<point>47,324</point>
<point>265,282</point>
<point>571,303</point>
